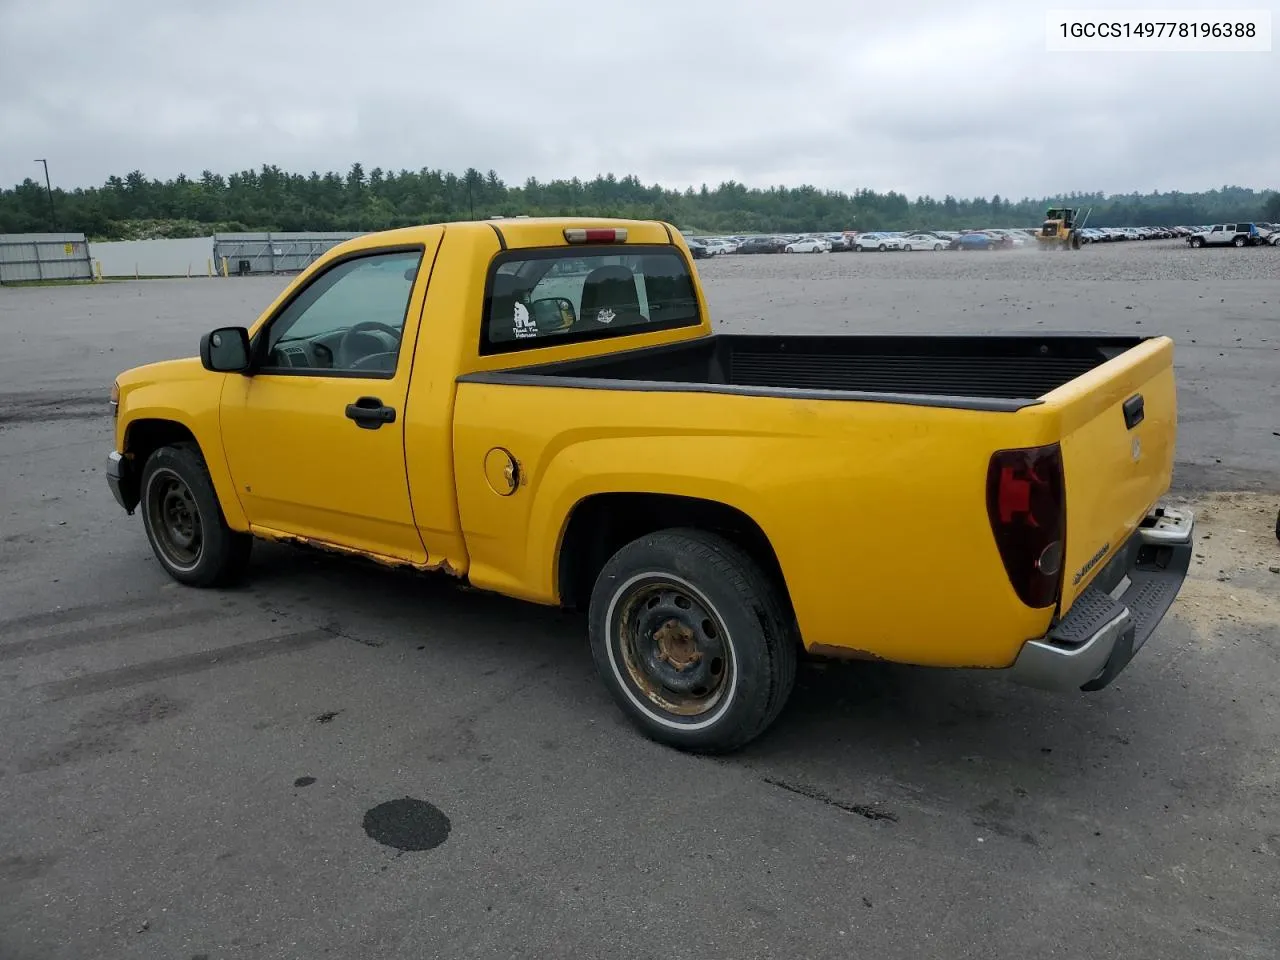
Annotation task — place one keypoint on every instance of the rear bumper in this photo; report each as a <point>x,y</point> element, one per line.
<point>1111,620</point>
<point>123,480</point>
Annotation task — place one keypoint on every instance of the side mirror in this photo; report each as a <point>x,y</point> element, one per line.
<point>225,350</point>
<point>553,314</point>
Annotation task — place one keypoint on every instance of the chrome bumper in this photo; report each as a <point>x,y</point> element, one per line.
<point>1115,615</point>
<point>123,481</point>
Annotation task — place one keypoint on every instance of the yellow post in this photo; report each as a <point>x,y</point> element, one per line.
<point>210,265</point>
<point>224,267</point>
<point>97,271</point>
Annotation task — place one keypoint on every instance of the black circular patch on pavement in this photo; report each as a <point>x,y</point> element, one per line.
<point>407,824</point>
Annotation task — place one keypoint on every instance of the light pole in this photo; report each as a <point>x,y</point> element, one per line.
<point>53,214</point>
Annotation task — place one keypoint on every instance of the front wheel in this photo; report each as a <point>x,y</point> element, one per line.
<point>1197,242</point>
<point>693,640</point>
<point>907,248</point>
<point>883,247</point>
<point>184,522</point>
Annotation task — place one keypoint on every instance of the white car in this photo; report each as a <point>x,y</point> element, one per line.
<point>923,241</point>
<point>876,241</point>
<point>1222,234</point>
<point>717,246</point>
<point>808,245</point>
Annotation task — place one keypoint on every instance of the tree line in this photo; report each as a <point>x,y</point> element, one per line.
<point>134,206</point>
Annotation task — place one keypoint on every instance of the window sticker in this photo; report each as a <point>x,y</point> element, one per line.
<point>522,324</point>
<point>606,315</point>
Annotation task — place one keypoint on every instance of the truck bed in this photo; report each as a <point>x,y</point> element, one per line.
<point>969,372</point>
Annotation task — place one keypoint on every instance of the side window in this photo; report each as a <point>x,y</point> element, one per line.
<point>349,319</point>
<point>1217,229</point>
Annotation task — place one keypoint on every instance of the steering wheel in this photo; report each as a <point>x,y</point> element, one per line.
<point>351,351</point>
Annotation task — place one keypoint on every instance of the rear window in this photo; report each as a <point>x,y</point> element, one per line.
<point>539,298</point>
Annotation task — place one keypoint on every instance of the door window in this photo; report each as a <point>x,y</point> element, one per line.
<point>349,320</point>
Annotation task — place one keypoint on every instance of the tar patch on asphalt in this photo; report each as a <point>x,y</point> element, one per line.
<point>407,824</point>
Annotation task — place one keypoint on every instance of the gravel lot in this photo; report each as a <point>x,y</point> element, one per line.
<point>192,774</point>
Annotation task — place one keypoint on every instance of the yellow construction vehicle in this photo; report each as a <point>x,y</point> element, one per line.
<point>1060,230</point>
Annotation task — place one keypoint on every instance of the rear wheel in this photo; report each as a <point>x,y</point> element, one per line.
<point>1238,242</point>
<point>184,521</point>
<point>693,640</point>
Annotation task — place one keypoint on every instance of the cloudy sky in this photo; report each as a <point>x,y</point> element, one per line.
<point>926,96</point>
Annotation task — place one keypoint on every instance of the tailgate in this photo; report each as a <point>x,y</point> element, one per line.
<point>1118,427</point>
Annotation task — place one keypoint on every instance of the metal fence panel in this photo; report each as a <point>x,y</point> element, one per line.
<point>44,256</point>
<point>272,252</point>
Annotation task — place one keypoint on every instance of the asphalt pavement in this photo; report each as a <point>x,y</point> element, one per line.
<point>335,760</point>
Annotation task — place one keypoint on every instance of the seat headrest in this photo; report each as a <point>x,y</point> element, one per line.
<point>609,292</point>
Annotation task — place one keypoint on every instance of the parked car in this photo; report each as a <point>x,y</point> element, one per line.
<point>762,245</point>
<point>808,245</point>
<point>923,241</point>
<point>335,420</point>
<point>697,248</point>
<point>980,240</point>
<point>719,246</point>
<point>877,241</point>
<point>1227,234</point>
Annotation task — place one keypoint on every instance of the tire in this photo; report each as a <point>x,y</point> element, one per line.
<point>184,521</point>
<point>858,248</point>
<point>937,246</point>
<point>907,248</point>
<point>1238,242</point>
<point>720,608</point>
<point>1197,242</point>
<point>883,247</point>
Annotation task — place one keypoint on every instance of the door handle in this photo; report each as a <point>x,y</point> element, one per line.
<point>370,413</point>
<point>1134,411</point>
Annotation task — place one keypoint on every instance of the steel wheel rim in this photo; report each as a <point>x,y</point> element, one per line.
<point>671,651</point>
<point>174,519</point>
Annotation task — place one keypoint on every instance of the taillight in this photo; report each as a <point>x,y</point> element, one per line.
<point>595,235</point>
<point>1026,504</point>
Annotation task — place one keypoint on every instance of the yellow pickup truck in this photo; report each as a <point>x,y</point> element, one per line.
<point>539,407</point>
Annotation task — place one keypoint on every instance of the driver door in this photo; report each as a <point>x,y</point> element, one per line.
<point>314,437</point>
